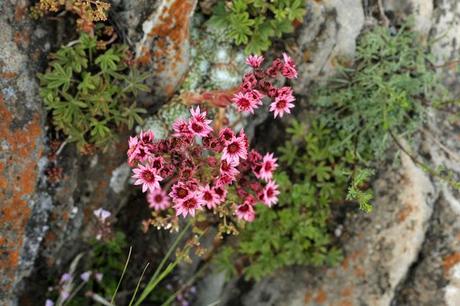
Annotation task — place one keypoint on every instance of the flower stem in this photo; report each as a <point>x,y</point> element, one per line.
<point>156,278</point>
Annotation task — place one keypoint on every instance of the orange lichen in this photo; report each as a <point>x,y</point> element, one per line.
<point>19,12</point>
<point>345,303</point>
<point>321,297</point>
<point>7,75</point>
<point>359,272</point>
<point>22,39</point>
<point>164,45</point>
<point>404,213</point>
<point>450,261</point>
<point>18,174</point>
<point>346,292</point>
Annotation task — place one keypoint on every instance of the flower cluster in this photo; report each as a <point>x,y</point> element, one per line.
<point>260,83</point>
<point>200,168</point>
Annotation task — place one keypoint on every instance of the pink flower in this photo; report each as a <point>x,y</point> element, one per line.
<point>256,168</point>
<point>179,192</point>
<point>158,200</point>
<point>235,150</point>
<point>221,193</point>
<point>229,168</point>
<point>180,127</point>
<point>146,137</point>
<point>245,102</point>
<point>250,78</point>
<point>188,206</point>
<point>225,179</point>
<point>245,212</point>
<point>270,194</point>
<point>282,105</point>
<point>268,166</point>
<point>147,177</point>
<point>209,197</point>
<point>198,124</point>
<point>256,95</point>
<point>226,135</point>
<point>102,214</point>
<point>284,91</point>
<point>133,149</point>
<point>289,70</point>
<point>156,162</point>
<point>254,60</point>
<point>254,156</point>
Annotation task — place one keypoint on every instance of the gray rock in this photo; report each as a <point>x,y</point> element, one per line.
<point>327,37</point>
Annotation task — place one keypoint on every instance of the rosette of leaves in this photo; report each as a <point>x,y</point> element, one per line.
<point>90,92</point>
<point>254,23</point>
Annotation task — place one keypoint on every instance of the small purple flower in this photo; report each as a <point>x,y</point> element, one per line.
<point>49,303</point>
<point>98,276</point>
<point>64,294</point>
<point>102,214</point>
<point>85,276</point>
<point>65,278</point>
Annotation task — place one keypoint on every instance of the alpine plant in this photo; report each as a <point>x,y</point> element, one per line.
<point>206,169</point>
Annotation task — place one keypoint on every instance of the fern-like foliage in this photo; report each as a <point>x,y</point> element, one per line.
<point>390,89</point>
<point>89,91</point>
<point>254,23</point>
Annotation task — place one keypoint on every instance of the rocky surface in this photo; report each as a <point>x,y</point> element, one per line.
<point>23,210</point>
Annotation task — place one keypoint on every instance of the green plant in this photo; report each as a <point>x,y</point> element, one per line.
<point>88,90</point>
<point>328,158</point>
<point>109,257</point>
<point>389,90</point>
<point>297,231</point>
<point>255,23</point>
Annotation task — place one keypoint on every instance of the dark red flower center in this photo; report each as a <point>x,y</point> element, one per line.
<point>207,196</point>
<point>190,203</point>
<point>227,135</point>
<point>225,166</point>
<point>268,167</point>
<point>197,127</point>
<point>219,191</point>
<point>156,164</point>
<point>233,148</point>
<point>244,103</point>
<point>244,208</point>
<point>158,198</point>
<point>281,104</point>
<point>148,176</point>
<point>270,192</point>
<point>182,192</point>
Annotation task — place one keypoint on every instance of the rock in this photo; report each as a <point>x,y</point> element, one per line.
<point>23,211</point>
<point>327,37</point>
<point>164,47</point>
<point>421,10</point>
<point>379,250</point>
